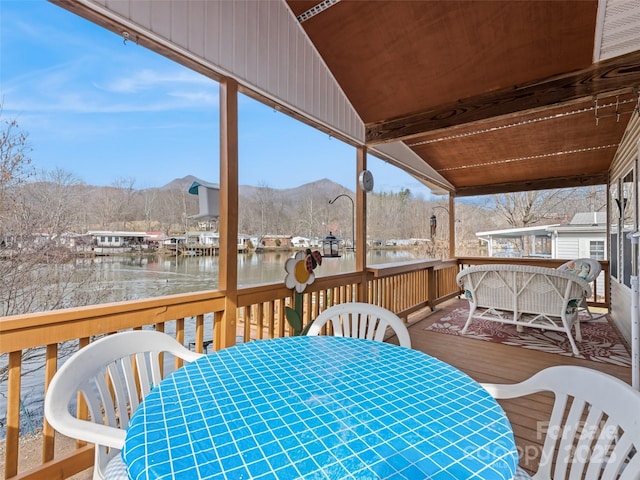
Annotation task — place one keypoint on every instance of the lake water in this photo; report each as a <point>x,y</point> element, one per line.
<point>134,278</point>
<point>138,277</point>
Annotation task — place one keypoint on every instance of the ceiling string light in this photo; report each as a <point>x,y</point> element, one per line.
<point>534,120</point>
<point>529,157</point>
<point>313,11</point>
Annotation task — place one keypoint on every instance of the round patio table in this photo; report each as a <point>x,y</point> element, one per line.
<point>319,407</point>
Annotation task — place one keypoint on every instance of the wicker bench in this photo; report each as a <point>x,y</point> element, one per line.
<point>525,296</point>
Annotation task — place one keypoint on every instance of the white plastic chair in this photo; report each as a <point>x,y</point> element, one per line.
<point>361,320</point>
<point>114,374</point>
<point>588,269</point>
<point>594,428</point>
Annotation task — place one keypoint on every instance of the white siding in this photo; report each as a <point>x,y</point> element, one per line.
<point>627,150</point>
<point>584,246</point>
<point>618,22</point>
<point>578,245</point>
<point>568,247</point>
<point>622,163</point>
<point>621,308</point>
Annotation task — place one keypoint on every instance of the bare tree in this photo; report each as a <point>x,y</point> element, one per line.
<point>390,215</point>
<point>266,209</point>
<point>106,208</point>
<point>149,197</point>
<point>124,193</point>
<point>15,169</point>
<point>308,221</point>
<point>37,215</point>
<point>172,208</point>
<point>523,209</point>
<point>38,219</point>
<point>15,164</point>
<point>56,201</point>
<point>377,218</point>
<point>591,199</point>
<point>38,270</point>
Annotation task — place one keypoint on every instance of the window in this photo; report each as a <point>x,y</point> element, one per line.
<point>614,219</point>
<point>627,225</point>
<point>596,249</point>
<point>622,222</point>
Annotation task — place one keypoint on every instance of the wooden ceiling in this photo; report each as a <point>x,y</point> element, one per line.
<point>496,96</point>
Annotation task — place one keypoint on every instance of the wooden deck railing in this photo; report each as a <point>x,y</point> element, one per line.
<point>403,288</point>
<point>46,331</point>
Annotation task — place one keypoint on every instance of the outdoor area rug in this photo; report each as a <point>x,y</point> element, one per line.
<point>601,341</point>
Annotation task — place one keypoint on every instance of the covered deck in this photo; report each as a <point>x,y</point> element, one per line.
<point>471,98</point>
<point>420,292</point>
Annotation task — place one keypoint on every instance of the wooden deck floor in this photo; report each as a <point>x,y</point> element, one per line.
<point>491,362</point>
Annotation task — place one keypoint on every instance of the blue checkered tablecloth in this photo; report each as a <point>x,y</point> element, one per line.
<point>319,407</point>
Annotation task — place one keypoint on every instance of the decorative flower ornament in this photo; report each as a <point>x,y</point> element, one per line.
<point>299,270</point>
<point>299,275</point>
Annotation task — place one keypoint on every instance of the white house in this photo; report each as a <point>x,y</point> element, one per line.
<point>174,240</point>
<point>301,242</point>
<point>518,242</point>
<point>584,236</point>
<point>104,238</point>
<point>209,238</point>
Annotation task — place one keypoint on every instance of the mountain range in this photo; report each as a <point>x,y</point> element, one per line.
<point>323,187</point>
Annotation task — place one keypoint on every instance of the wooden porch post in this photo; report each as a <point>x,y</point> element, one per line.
<point>228,225</point>
<point>452,226</point>
<point>361,225</point>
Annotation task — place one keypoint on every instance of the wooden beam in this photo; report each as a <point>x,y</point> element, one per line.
<point>48,432</point>
<point>529,185</point>
<point>12,436</point>
<point>452,226</point>
<point>228,260</point>
<point>361,225</point>
<point>615,75</point>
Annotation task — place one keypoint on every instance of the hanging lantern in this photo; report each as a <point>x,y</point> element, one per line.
<point>330,246</point>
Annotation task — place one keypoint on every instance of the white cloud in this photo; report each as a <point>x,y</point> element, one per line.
<point>147,79</point>
<point>201,98</point>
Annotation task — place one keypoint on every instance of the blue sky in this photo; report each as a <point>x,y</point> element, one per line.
<point>105,110</point>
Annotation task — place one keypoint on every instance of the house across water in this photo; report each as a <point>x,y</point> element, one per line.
<point>199,243</point>
<point>112,242</point>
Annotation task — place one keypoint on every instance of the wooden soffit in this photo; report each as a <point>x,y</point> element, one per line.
<point>494,95</point>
